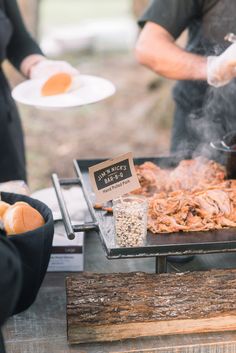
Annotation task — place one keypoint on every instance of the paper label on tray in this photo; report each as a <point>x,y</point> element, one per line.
<point>114,178</point>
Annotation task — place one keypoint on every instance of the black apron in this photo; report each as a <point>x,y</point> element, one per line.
<point>204,113</point>
<point>12,152</point>
<point>208,117</point>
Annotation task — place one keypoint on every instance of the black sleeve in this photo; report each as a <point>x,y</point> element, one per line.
<point>21,44</point>
<point>10,278</point>
<point>173,15</point>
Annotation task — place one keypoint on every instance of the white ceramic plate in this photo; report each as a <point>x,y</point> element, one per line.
<point>90,89</point>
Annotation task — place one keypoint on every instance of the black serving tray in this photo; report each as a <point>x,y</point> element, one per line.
<point>157,245</point>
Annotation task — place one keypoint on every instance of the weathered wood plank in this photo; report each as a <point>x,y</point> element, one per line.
<point>107,307</point>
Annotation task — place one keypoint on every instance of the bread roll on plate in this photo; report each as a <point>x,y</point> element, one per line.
<point>21,218</point>
<point>60,83</point>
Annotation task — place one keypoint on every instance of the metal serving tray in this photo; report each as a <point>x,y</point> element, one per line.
<point>157,245</point>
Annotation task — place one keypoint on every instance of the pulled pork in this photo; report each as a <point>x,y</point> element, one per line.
<point>192,211</point>
<point>192,197</point>
<point>193,174</point>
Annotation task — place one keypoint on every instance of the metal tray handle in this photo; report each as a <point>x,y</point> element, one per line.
<point>70,229</point>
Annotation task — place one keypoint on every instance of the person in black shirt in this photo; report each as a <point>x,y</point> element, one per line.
<point>21,50</point>
<point>205,69</point>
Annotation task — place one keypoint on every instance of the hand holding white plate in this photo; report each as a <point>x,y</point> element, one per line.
<point>90,89</point>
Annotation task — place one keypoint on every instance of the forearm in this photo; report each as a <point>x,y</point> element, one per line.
<point>157,50</point>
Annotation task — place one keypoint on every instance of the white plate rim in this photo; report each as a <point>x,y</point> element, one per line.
<point>18,98</point>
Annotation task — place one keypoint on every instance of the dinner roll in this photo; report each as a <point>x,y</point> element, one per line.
<point>56,84</point>
<point>21,218</point>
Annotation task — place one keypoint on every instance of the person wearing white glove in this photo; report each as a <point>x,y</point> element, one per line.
<point>175,63</point>
<point>22,51</point>
<point>207,61</point>
<point>222,69</point>
<point>38,66</point>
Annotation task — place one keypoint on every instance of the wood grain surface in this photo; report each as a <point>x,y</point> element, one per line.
<point>109,307</point>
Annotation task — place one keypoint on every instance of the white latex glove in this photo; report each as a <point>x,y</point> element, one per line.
<point>222,69</point>
<point>47,68</point>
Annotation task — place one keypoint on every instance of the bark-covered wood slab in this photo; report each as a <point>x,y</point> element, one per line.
<point>109,307</point>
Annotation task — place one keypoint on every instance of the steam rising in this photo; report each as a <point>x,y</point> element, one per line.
<point>217,118</point>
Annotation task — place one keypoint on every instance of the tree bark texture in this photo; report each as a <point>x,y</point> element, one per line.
<point>106,307</point>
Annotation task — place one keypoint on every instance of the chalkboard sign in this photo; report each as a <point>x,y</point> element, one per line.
<point>114,178</point>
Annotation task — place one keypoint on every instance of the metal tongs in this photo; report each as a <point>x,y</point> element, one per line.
<point>230,37</point>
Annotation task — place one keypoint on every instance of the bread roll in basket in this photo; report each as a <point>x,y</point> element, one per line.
<point>34,248</point>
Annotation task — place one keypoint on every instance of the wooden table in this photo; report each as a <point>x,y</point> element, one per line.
<point>42,328</point>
